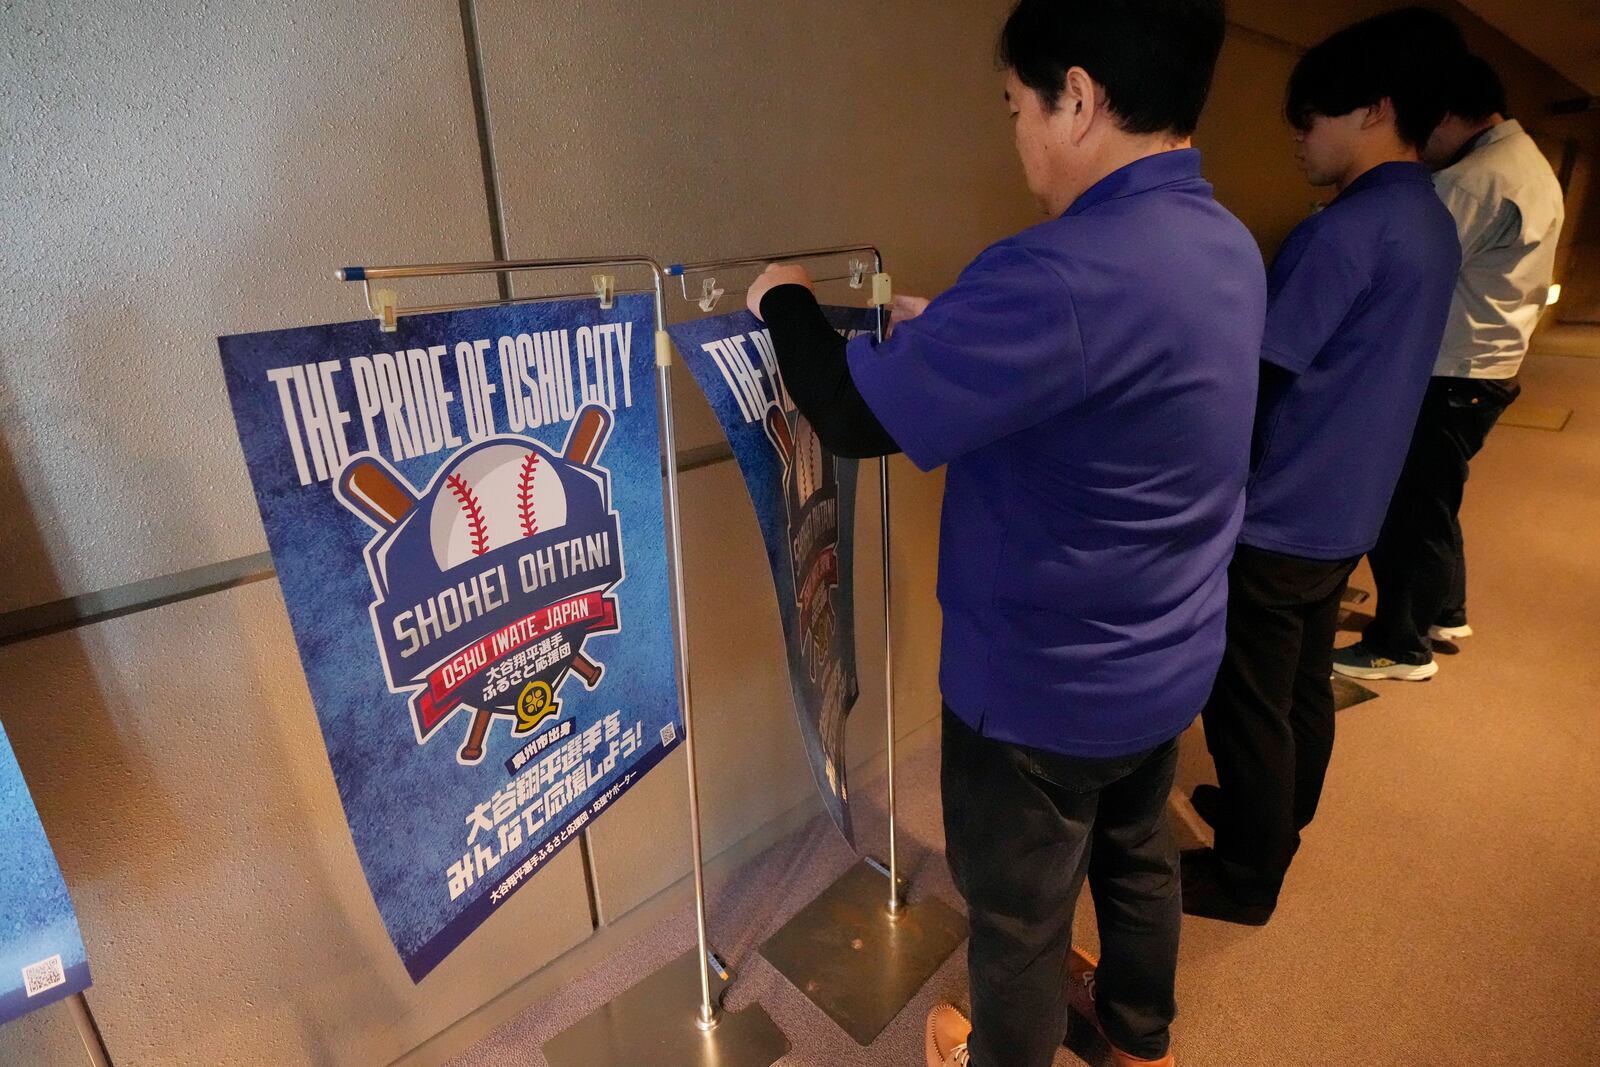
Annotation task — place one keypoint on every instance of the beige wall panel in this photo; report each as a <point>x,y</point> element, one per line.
<point>46,1037</point>
<point>180,773</point>
<point>715,128</point>
<point>174,170</point>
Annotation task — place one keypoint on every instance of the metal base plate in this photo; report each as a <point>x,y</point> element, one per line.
<point>851,960</point>
<point>654,1023</point>
<point>1536,417</point>
<point>1347,694</point>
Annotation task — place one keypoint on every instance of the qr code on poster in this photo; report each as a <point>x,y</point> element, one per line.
<point>669,733</point>
<point>43,976</point>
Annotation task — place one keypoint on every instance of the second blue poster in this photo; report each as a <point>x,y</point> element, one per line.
<point>804,498</point>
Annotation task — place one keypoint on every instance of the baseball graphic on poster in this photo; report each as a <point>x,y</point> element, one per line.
<point>481,507</point>
<point>496,495</point>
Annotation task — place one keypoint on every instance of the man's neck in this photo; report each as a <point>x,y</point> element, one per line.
<point>1474,134</point>
<point>1376,157</point>
<point>1478,129</point>
<point>1117,153</point>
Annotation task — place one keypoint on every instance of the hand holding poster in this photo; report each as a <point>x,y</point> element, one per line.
<point>804,499</point>
<point>467,524</point>
<point>42,958</point>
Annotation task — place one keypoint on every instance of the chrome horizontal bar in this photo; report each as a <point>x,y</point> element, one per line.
<point>469,305</point>
<point>504,266</point>
<point>679,269</point>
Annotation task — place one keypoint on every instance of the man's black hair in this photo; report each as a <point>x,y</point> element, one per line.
<point>1475,92</point>
<point>1154,58</point>
<point>1405,57</point>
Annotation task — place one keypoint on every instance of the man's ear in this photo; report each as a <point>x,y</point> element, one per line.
<point>1080,103</point>
<point>1378,114</point>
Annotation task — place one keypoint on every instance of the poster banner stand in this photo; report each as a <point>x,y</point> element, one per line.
<point>856,952</point>
<point>94,1046</point>
<point>658,1020</point>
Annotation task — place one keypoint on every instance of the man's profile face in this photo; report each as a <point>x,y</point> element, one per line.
<point>1033,132</point>
<point>1325,148</point>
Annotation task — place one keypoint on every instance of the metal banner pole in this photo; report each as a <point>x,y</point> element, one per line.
<point>706,1017</point>
<point>859,961</point>
<point>651,1021</point>
<point>896,891</point>
<point>89,1031</point>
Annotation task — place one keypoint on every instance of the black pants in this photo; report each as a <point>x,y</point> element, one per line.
<point>1419,563</point>
<point>1269,722</point>
<point>1022,828</point>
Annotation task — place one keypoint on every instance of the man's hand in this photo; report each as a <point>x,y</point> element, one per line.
<point>904,308</point>
<point>775,275</point>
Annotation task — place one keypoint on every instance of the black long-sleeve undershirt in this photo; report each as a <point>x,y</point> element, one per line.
<point>811,355</point>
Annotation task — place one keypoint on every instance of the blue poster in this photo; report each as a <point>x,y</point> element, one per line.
<point>466,519</point>
<point>804,498</point>
<point>41,951</point>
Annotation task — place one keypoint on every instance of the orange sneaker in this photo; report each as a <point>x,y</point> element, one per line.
<point>1080,998</point>
<point>946,1038</point>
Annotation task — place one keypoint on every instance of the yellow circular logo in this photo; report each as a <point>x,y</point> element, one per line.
<point>536,703</point>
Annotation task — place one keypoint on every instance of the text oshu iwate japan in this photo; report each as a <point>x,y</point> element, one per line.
<point>403,409</point>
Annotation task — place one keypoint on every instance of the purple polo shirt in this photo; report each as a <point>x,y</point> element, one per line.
<point>1359,296</point>
<point>1090,383</point>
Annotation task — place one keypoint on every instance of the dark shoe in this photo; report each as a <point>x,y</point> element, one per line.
<point>1206,892</point>
<point>1359,661</point>
<point>1207,803</point>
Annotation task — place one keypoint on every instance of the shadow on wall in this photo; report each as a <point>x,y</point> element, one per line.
<point>75,761</point>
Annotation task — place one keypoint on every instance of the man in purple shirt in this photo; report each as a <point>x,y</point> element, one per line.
<point>1089,385</point>
<point>1358,298</point>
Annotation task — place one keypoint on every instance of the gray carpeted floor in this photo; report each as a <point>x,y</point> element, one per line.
<point>1445,907</point>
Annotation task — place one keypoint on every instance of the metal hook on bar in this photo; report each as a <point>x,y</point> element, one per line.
<point>384,304</point>
<point>710,293</point>
<point>605,287</point>
<point>882,290</point>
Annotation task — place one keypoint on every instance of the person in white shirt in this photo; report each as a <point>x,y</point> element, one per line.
<point>1508,209</point>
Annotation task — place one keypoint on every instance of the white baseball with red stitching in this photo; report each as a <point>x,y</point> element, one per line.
<point>492,497</point>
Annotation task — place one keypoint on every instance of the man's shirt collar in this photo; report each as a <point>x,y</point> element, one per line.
<point>1386,174</point>
<point>1140,176</point>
